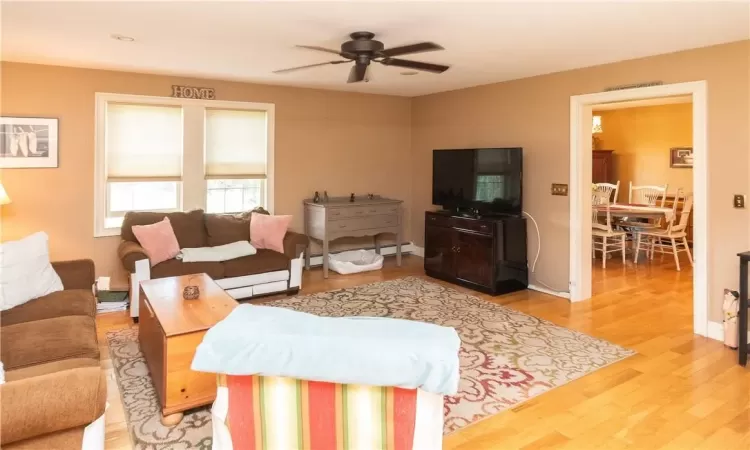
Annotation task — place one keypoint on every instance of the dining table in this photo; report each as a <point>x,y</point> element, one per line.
<point>634,211</point>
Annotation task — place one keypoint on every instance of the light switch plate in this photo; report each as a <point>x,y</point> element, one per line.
<point>559,189</point>
<point>739,200</point>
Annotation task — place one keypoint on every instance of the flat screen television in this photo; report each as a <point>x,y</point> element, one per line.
<point>479,180</point>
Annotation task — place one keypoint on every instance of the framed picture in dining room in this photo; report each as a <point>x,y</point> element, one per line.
<point>681,157</point>
<point>28,142</point>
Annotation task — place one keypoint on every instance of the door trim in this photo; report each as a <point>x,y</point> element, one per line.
<point>580,188</point>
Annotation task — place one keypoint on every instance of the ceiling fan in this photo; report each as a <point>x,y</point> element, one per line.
<point>364,49</point>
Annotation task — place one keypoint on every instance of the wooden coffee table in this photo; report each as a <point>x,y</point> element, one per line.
<point>170,329</point>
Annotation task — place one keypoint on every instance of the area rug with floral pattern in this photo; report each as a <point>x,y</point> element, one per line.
<point>506,356</point>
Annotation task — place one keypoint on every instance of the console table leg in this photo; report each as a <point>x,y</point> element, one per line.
<point>398,249</point>
<point>325,258</point>
<point>742,350</point>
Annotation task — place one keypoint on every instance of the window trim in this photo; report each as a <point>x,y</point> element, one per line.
<point>193,185</point>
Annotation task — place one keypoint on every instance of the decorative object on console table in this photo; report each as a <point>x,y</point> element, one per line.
<point>602,164</point>
<point>341,217</point>
<point>486,254</point>
<point>28,142</point>
<point>742,325</point>
<point>316,197</point>
<point>351,197</point>
<point>191,292</point>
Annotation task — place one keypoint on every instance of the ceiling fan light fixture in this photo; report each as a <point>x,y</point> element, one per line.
<point>409,73</point>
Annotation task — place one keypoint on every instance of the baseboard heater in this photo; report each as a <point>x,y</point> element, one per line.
<point>316,259</point>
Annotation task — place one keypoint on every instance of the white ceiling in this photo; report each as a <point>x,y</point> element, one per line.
<point>484,42</point>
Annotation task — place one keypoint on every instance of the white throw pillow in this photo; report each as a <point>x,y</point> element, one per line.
<point>25,271</point>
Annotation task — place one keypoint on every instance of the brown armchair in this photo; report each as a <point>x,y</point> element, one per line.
<point>54,383</point>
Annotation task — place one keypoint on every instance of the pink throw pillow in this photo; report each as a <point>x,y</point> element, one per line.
<point>158,240</point>
<point>268,231</point>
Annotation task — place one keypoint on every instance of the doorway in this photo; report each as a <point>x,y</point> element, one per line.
<point>581,167</point>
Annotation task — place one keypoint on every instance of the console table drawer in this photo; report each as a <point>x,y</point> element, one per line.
<point>438,220</point>
<point>364,223</point>
<point>474,225</point>
<point>361,211</point>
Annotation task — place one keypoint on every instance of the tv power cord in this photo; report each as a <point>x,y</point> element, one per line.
<point>536,258</point>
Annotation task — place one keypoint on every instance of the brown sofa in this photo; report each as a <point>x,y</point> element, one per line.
<point>263,271</point>
<point>54,384</point>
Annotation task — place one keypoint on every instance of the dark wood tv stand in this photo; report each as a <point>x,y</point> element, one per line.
<point>487,254</point>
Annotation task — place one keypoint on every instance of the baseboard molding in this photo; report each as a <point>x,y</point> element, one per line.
<point>715,330</point>
<point>417,250</point>
<point>386,250</point>
<point>544,290</point>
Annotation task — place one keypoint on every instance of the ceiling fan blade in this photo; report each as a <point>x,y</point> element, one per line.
<point>327,50</point>
<point>292,69</point>
<point>412,48</point>
<point>418,65</point>
<point>320,49</point>
<point>357,73</point>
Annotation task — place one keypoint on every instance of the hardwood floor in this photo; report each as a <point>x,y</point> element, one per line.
<point>680,391</point>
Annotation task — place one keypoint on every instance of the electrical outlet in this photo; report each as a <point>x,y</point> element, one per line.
<point>739,201</point>
<point>559,189</point>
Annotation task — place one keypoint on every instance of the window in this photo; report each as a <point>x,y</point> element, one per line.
<point>143,146</point>
<point>228,196</point>
<point>235,160</point>
<point>168,154</point>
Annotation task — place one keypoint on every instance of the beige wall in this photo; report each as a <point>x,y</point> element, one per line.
<point>534,113</point>
<point>340,142</point>
<point>353,142</point>
<point>642,138</point>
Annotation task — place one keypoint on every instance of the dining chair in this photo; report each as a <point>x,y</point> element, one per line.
<point>648,195</point>
<point>644,195</point>
<point>612,190</point>
<point>604,231</point>
<point>673,239</point>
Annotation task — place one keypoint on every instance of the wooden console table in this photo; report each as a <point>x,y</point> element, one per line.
<point>169,331</point>
<point>339,217</point>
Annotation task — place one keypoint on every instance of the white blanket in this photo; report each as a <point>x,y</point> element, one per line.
<point>377,351</point>
<point>216,254</point>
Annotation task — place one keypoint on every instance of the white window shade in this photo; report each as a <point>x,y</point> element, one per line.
<point>236,144</point>
<point>143,142</point>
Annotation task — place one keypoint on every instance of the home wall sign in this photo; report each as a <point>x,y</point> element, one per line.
<point>201,93</point>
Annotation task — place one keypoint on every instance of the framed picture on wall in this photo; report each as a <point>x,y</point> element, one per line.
<point>681,157</point>
<point>28,142</point>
